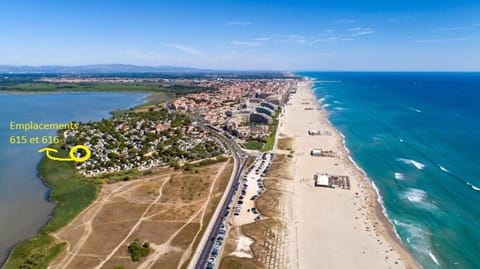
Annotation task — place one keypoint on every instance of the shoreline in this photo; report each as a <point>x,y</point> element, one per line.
<point>43,176</point>
<point>374,219</point>
<point>380,212</point>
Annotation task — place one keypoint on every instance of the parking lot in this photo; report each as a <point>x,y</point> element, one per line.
<point>242,208</point>
<point>251,186</point>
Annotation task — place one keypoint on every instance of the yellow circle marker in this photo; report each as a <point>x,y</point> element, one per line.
<point>74,158</point>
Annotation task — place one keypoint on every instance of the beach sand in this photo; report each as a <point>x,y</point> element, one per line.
<point>332,228</point>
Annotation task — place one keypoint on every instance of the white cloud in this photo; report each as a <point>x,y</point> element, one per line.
<point>250,44</point>
<point>300,39</point>
<point>446,39</point>
<point>359,31</point>
<point>238,23</point>
<point>265,38</point>
<point>186,49</point>
<point>330,39</point>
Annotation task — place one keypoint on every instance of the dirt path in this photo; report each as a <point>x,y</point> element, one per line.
<point>163,248</point>
<point>187,253</point>
<point>81,231</point>
<point>87,216</point>
<point>134,228</point>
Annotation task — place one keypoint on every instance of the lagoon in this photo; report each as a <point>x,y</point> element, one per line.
<point>24,206</point>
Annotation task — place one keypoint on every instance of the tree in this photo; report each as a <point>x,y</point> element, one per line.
<point>138,250</point>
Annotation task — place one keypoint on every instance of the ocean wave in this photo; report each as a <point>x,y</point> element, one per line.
<point>417,165</point>
<point>443,169</point>
<point>415,195</point>
<point>339,108</point>
<point>337,102</point>
<point>434,259</point>
<point>414,109</point>
<point>419,198</point>
<point>321,100</point>
<point>374,186</point>
<point>473,186</point>
<point>401,140</point>
<point>325,106</point>
<point>399,176</point>
<point>416,236</point>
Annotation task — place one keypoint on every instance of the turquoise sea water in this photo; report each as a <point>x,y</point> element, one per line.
<point>23,205</point>
<point>417,136</point>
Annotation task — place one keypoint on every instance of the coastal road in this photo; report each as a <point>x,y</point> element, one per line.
<point>200,257</point>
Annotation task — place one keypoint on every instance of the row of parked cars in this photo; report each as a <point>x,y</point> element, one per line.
<point>255,175</point>
<point>219,239</point>
<point>257,170</point>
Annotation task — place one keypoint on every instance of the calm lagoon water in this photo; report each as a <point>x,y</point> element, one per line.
<point>24,208</point>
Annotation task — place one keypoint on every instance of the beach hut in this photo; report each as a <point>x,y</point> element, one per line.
<point>316,152</point>
<point>321,180</point>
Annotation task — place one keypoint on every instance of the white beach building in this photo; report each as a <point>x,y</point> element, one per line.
<point>321,180</point>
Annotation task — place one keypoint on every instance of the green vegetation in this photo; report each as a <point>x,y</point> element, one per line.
<point>34,253</point>
<point>190,166</point>
<point>98,87</point>
<point>253,144</point>
<point>273,132</point>
<point>71,194</point>
<point>138,250</point>
<point>36,86</point>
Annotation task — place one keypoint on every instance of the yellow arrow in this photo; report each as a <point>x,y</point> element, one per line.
<point>71,154</point>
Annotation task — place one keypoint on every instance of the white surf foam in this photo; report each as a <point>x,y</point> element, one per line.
<point>417,165</point>
<point>399,176</point>
<point>417,237</point>
<point>401,140</point>
<point>339,108</point>
<point>473,186</point>
<point>415,195</point>
<point>374,186</point>
<point>434,259</point>
<point>443,169</point>
<point>321,100</point>
<point>325,106</point>
<point>419,198</point>
<point>414,109</point>
<point>337,102</point>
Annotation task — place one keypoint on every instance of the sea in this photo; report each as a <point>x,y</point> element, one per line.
<point>24,206</point>
<point>417,137</point>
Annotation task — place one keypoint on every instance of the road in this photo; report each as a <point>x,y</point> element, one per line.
<point>240,158</point>
<point>204,248</point>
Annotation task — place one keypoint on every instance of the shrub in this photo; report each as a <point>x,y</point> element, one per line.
<point>138,250</point>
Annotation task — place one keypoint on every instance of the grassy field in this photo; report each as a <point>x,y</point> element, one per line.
<point>99,87</point>
<point>71,194</point>
<point>253,145</point>
<point>36,252</point>
<point>273,132</point>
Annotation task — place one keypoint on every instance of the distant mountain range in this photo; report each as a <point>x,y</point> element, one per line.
<point>97,68</point>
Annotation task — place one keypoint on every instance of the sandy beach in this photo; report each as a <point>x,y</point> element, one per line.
<point>331,227</point>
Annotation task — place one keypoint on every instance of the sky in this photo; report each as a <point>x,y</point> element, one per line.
<point>388,35</point>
